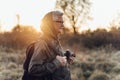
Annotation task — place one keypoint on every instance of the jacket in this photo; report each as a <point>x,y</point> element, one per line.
<point>44,65</point>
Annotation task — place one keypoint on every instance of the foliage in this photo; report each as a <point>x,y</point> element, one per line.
<point>116,69</point>
<point>76,11</point>
<point>19,37</point>
<point>96,39</point>
<point>104,66</point>
<point>12,62</point>
<point>87,68</point>
<point>98,75</point>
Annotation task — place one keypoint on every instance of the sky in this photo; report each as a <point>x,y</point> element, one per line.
<point>103,12</point>
<point>32,11</point>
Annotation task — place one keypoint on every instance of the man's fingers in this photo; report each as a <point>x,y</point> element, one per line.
<point>62,60</point>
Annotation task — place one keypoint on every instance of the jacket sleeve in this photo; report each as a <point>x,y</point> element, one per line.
<point>38,65</point>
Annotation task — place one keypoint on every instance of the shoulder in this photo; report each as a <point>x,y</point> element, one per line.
<point>40,44</point>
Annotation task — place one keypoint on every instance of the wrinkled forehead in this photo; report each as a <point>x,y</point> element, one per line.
<point>57,15</point>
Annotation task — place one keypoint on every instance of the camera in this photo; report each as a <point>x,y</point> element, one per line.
<point>69,54</point>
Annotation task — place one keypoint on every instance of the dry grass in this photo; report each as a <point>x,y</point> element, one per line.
<point>85,66</point>
<point>11,64</point>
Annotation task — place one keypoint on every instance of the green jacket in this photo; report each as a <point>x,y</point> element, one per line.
<point>44,64</point>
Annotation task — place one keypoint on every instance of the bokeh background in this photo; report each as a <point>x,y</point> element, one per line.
<point>92,32</point>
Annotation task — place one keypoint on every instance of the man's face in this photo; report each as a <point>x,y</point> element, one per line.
<point>58,24</point>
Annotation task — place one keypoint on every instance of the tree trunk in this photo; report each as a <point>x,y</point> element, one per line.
<point>73,26</point>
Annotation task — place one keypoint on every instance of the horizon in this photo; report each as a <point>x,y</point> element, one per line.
<point>31,12</point>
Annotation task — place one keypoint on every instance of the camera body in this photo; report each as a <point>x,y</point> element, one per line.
<point>69,54</point>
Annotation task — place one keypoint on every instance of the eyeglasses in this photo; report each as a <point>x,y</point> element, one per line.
<point>59,21</point>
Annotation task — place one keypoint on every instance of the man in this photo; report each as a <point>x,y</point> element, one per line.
<point>48,61</point>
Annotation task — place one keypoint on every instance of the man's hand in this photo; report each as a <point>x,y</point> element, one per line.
<point>71,60</point>
<point>62,60</point>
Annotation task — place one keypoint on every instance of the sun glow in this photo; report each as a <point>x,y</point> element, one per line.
<point>31,12</point>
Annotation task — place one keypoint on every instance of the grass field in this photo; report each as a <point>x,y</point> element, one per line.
<point>99,64</point>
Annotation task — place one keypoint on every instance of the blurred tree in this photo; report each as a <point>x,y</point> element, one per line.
<point>116,21</point>
<point>76,11</point>
<point>22,28</point>
<point>21,36</point>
